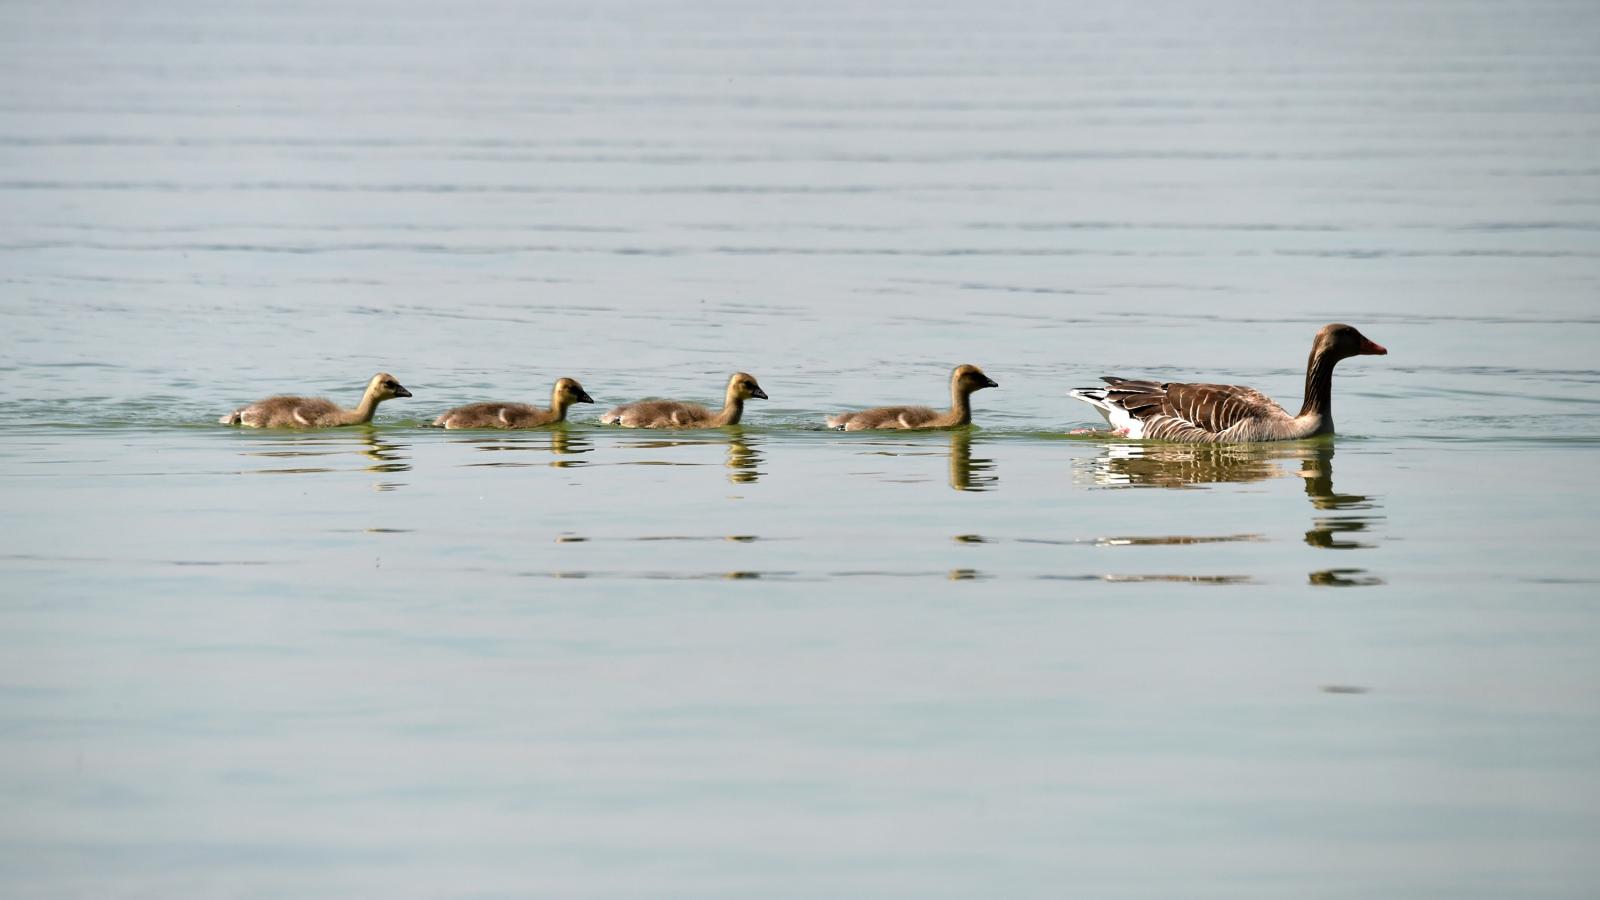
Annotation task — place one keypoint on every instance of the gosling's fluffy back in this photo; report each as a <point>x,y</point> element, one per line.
<point>286,412</point>
<point>316,412</point>
<point>496,415</point>
<point>886,417</point>
<point>677,414</point>
<point>659,414</point>
<point>964,380</point>
<point>566,392</point>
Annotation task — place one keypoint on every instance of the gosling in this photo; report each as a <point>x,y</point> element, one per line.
<point>963,381</point>
<point>316,412</point>
<point>517,415</point>
<point>675,414</point>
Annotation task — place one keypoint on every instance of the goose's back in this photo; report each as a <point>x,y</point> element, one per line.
<point>1199,413</point>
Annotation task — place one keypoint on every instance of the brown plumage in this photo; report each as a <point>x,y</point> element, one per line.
<point>566,392</point>
<point>675,414</point>
<point>316,412</point>
<point>963,381</point>
<point>1227,413</point>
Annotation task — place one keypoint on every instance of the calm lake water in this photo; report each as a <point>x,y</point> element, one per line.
<point>774,660</point>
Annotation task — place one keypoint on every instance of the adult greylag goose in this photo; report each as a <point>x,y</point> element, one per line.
<point>566,392</point>
<point>316,412</point>
<point>963,381</point>
<point>676,414</point>
<point>1227,413</point>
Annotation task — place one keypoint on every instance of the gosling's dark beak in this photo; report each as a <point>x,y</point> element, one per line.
<point>583,397</point>
<point>1372,348</point>
<point>758,393</point>
<point>400,391</point>
<point>990,382</point>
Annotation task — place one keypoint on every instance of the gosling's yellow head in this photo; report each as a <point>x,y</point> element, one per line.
<point>969,378</point>
<point>743,385</point>
<point>384,387</point>
<point>570,390</point>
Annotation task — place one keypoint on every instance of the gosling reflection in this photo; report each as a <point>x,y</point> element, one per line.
<point>1334,532</point>
<point>566,443</point>
<point>967,473</point>
<point>386,455</point>
<point>744,459</point>
<point>557,441</point>
<point>1344,578</point>
<point>744,456</point>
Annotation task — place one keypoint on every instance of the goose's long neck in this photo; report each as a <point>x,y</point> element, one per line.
<point>732,409</point>
<point>960,404</point>
<point>1319,384</point>
<point>367,406</point>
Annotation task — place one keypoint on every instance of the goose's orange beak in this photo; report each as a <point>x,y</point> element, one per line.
<point>1372,348</point>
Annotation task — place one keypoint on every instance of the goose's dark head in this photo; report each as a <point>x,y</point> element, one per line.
<point>1339,341</point>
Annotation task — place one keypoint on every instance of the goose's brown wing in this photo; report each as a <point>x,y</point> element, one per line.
<point>1176,411</point>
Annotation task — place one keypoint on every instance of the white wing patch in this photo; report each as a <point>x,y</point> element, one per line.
<point>1123,421</point>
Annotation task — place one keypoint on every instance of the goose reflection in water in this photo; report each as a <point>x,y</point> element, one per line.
<point>1331,532</point>
<point>1342,517</point>
<point>1186,465</point>
<point>968,473</point>
<point>1351,515</point>
<point>558,441</point>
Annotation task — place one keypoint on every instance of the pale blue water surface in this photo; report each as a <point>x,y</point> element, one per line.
<point>773,660</point>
